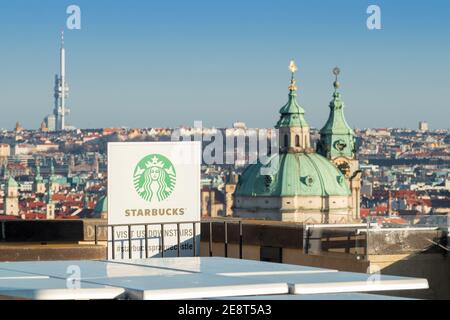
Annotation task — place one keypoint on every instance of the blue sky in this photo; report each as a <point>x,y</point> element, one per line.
<point>141,63</point>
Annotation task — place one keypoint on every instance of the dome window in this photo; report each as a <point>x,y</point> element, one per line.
<point>340,145</point>
<point>268,181</point>
<point>297,141</point>
<point>308,180</point>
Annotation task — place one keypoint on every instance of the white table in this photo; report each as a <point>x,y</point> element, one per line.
<point>192,286</point>
<point>15,275</point>
<point>341,282</point>
<point>84,270</point>
<point>227,266</point>
<point>56,289</point>
<point>322,297</point>
<point>185,278</point>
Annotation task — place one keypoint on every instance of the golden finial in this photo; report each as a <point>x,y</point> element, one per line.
<point>336,72</point>
<point>293,68</point>
<point>293,86</point>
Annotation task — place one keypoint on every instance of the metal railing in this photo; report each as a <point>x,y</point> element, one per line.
<point>146,238</point>
<point>348,230</point>
<point>3,231</point>
<point>162,247</point>
<point>306,233</point>
<point>357,237</point>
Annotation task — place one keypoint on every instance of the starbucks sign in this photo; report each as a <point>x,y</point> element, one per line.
<point>153,183</point>
<point>154,178</point>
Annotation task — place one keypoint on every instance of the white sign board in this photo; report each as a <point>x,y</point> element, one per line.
<point>150,184</point>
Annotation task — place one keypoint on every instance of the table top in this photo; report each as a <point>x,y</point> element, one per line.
<point>322,297</point>
<point>85,270</point>
<point>227,266</point>
<point>341,282</point>
<point>56,289</point>
<point>193,286</point>
<point>188,278</point>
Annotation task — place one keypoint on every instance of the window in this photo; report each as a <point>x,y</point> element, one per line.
<point>271,254</point>
<point>268,181</point>
<point>297,141</point>
<point>286,141</point>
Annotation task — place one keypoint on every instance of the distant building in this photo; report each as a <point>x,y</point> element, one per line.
<point>18,128</point>
<point>230,189</point>
<point>240,125</point>
<point>101,209</point>
<point>39,185</point>
<point>50,207</point>
<point>5,150</point>
<point>378,132</point>
<point>423,126</point>
<point>212,201</point>
<point>50,123</point>
<point>43,126</point>
<point>23,149</point>
<point>11,200</point>
<point>367,189</point>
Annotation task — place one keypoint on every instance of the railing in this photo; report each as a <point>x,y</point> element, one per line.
<point>3,232</point>
<point>225,240</point>
<point>343,230</point>
<point>146,225</point>
<point>178,224</point>
<point>351,239</point>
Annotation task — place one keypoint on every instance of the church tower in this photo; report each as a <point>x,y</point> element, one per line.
<point>11,200</point>
<point>297,184</point>
<point>337,143</point>
<point>39,185</point>
<point>293,128</point>
<point>52,178</point>
<point>50,209</point>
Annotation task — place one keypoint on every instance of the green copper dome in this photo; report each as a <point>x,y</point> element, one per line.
<point>336,137</point>
<point>336,123</point>
<point>101,206</point>
<point>38,178</point>
<point>12,183</point>
<point>292,114</point>
<point>299,174</point>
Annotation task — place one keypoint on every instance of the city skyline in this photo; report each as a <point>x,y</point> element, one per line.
<point>124,72</point>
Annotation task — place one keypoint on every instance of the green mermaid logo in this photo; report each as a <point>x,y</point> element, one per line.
<point>154,178</point>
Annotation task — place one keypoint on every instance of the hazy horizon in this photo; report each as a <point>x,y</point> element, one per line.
<point>143,64</point>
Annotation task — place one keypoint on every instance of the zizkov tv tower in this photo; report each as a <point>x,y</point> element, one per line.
<point>61,91</point>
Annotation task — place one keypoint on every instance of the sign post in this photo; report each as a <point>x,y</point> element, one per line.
<point>153,199</point>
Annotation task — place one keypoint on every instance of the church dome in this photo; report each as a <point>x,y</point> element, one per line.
<point>12,183</point>
<point>101,208</point>
<point>293,174</point>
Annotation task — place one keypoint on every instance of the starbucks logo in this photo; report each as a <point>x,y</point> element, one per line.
<point>154,178</point>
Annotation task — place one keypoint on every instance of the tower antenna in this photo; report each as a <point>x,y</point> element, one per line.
<point>336,72</point>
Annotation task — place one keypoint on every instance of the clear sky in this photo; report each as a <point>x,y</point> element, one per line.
<point>141,63</point>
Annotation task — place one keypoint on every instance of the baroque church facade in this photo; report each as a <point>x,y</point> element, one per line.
<point>299,183</point>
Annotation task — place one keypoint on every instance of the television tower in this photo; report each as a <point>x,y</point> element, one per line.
<point>61,91</point>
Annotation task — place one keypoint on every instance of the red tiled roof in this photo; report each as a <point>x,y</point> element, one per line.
<point>35,216</point>
<point>364,212</point>
<point>8,218</point>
